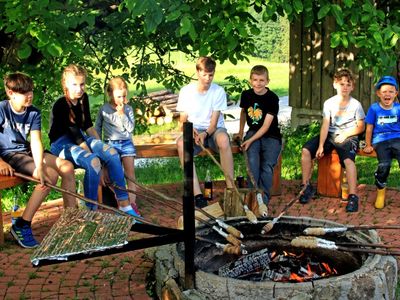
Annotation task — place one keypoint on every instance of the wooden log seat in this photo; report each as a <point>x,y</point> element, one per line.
<point>5,183</point>
<point>330,173</point>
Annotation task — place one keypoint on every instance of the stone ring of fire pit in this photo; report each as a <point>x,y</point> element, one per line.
<point>376,278</point>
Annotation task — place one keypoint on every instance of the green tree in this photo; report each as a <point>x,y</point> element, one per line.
<point>135,38</point>
<point>273,41</point>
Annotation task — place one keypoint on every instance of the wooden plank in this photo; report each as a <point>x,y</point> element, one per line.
<point>1,225</point>
<point>295,64</point>
<point>6,182</point>
<point>316,70</point>
<point>306,66</point>
<point>166,150</point>
<point>328,60</point>
<point>9,181</point>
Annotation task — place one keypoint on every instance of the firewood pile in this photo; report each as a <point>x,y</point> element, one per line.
<point>160,107</point>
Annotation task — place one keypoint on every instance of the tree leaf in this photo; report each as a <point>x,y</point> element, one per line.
<point>323,11</point>
<point>338,14</point>
<point>335,40</point>
<point>24,51</point>
<point>298,6</point>
<point>377,37</point>
<point>185,23</point>
<point>394,39</point>
<point>54,49</point>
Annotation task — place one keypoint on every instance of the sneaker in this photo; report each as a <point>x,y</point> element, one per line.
<point>24,236</point>
<point>133,213</point>
<point>200,201</point>
<point>135,208</point>
<point>307,194</point>
<point>352,204</point>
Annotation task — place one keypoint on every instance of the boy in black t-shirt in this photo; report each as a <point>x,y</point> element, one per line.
<point>263,140</point>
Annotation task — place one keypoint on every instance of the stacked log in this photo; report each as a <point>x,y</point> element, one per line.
<point>165,107</point>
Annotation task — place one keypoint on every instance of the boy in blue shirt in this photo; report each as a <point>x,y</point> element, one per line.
<point>18,121</point>
<point>383,133</point>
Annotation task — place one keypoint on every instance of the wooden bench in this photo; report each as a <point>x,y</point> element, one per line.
<point>5,183</point>
<point>170,150</point>
<point>330,173</point>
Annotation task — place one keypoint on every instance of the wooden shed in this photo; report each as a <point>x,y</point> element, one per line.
<point>312,65</point>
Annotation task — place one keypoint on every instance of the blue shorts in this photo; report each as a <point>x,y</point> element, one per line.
<point>210,141</point>
<point>124,148</point>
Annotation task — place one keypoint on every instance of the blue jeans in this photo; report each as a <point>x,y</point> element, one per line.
<point>65,148</point>
<point>263,155</point>
<point>385,152</point>
<point>125,148</point>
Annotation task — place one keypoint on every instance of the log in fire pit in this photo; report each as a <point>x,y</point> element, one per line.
<point>274,269</point>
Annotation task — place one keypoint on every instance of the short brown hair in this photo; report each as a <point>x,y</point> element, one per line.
<point>116,83</point>
<point>18,82</point>
<point>259,70</point>
<point>206,63</point>
<point>340,73</point>
<point>74,70</point>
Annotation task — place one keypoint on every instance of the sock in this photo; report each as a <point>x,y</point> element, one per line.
<point>20,222</point>
<point>126,208</point>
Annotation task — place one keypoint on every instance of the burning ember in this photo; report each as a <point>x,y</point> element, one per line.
<point>277,266</point>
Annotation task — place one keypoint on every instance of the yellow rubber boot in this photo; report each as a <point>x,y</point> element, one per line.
<point>380,198</point>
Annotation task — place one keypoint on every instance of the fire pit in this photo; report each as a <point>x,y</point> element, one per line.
<point>274,269</point>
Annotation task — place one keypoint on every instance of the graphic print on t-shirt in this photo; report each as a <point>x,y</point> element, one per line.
<point>255,113</point>
<point>386,120</point>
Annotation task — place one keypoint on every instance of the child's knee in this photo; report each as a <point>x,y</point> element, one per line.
<point>305,153</point>
<point>67,168</point>
<point>111,150</point>
<point>95,165</point>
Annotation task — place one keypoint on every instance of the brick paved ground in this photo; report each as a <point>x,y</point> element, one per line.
<point>123,276</point>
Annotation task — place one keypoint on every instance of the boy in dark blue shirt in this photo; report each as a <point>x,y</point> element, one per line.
<point>18,121</point>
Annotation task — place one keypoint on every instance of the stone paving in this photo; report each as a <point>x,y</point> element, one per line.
<point>123,276</point>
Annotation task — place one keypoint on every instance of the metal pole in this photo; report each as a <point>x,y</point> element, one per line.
<point>188,205</point>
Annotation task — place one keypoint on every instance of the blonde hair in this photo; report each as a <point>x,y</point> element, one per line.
<point>74,70</point>
<point>206,63</point>
<point>259,70</point>
<point>116,83</point>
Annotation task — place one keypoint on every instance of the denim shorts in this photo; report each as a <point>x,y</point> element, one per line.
<point>210,141</point>
<point>124,148</point>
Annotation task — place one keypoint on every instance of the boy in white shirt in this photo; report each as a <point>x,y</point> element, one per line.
<point>201,103</point>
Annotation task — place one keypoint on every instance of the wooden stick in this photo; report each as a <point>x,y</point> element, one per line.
<point>268,227</point>
<point>229,237</point>
<point>30,178</point>
<point>314,242</point>
<point>249,214</point>
<point>262,208</point>
<point>222,224</point>
<point>227,248</point>
<point>319,231</point>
